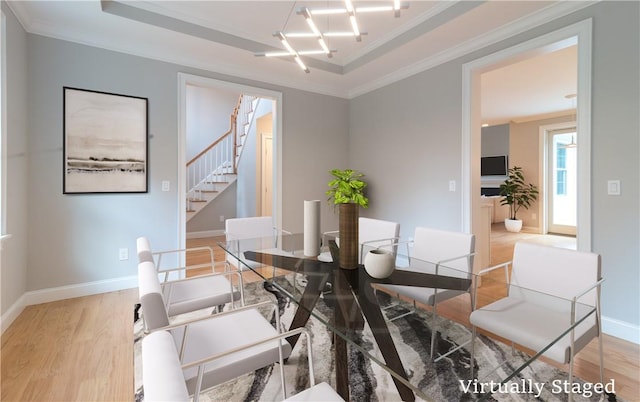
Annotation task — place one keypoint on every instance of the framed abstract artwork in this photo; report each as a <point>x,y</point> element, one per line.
<point>105,142</point>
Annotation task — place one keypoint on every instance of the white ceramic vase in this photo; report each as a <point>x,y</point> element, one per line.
<point>513,225</point>
<point>379,263</point>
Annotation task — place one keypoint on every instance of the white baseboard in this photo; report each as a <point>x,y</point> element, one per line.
<point>12,313</point>
<point>65,292</point>
<point>206,233</point>
<point>621,329</point>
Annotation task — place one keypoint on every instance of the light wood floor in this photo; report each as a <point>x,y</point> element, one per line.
<point>81,349</point>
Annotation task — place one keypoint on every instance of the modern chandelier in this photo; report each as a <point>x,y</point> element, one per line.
<point>349,11</point>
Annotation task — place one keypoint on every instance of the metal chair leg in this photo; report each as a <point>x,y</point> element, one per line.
<point>434,330</point>
<point>472,348</point>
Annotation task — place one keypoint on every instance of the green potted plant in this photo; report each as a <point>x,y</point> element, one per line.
<point>347,187</point>
<point>517,193</point>
<point>347,191</point>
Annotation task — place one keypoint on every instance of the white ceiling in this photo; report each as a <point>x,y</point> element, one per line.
<point>224,36</point>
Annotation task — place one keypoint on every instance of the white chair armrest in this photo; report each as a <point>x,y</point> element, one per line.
<point>196,266</point>
<point>441,262</point>
<point>211,317</point>
<point>185,324</point>
<point>391,240</point>
<point>486,270</point>
<point>283,231</point>
<point>162,253</point>
<point>182,250</point>
<point>575,298</point>
<point>225,273</point>
<point>394,240</point>
<point>585,291</point>
<point>406,243</point>
<point>200,363</point>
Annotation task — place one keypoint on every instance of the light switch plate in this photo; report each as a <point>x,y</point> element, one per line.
<point>613,187</point>
<point>166,185</point>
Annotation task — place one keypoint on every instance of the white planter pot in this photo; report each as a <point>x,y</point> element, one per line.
<point>513,225</point>
<point>379,263</point>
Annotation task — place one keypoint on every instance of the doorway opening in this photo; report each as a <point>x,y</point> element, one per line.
<point>579,34</point>
<point>244,186</point>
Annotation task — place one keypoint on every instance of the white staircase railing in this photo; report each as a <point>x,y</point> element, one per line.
<point>245,119</point>
<point>214,165</point>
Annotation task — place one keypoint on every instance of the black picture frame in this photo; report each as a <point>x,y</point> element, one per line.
<point>105,144</point>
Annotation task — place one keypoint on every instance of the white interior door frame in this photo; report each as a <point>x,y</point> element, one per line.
<point>184,80</point>
<point>544,202</point>
<point>579,33</point>
<point>265,175</point>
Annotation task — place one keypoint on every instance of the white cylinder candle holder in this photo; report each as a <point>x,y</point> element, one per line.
<point>312,228</point>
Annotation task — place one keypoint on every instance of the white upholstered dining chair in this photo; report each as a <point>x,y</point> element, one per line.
<point>260,228</point>
<point>186,294</point>
<point>548,289</point>
<point>372,233</point>
<point>163,377</point>
<point>210,350</point>
<point>435,252</point>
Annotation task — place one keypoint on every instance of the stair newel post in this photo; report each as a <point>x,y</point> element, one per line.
<point>234,124</point>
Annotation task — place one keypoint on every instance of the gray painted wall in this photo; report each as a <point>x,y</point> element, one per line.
<point>208,116</point>
<point>615,150</point>
<point>406,137</point>
<point>13,264</point>
<point>314,143</point>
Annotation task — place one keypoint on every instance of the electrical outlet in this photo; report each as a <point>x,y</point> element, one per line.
<point>221,218</point>
<point>534,216</point>
<point>166,185</point>
<point>452,185</point>
<point>123,254</point>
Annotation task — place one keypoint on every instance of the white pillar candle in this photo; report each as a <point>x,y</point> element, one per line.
<point>312,228</point>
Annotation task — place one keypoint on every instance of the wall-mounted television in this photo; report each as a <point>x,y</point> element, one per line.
<point>494,165</point>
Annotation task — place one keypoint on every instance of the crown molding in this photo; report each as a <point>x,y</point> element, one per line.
<point>516,27</point>
<point>19,10</point>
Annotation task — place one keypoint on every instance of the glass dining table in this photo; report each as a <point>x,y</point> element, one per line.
<point>348,303</point>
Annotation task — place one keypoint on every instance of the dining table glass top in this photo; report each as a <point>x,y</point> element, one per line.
<point>369,318</point>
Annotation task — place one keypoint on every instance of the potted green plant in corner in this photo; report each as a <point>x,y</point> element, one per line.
<point>517,194</point>
<point>347,191</point>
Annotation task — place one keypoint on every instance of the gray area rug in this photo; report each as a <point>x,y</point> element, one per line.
<point>442,381</point>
